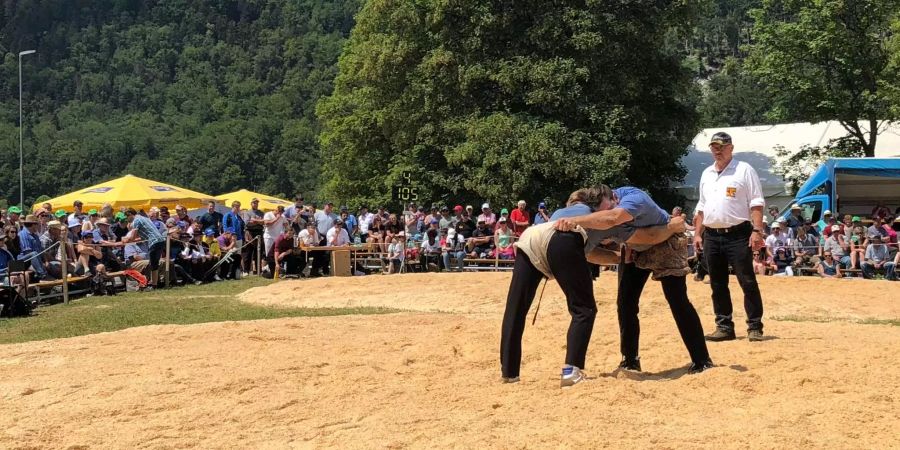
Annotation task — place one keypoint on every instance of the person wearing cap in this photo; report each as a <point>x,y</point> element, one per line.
<point>292,212</point>
<point>504,240</point>
<point>77,216</point>
<point>838,246</point>
<point>119,227</point>
<point>482,242</point>
<point>729,228</point>
<point>108,245</point>
<point>542,215</point>
<point>88,223</point>
<point>487,215</point>
<point>253,219</point>
<point>30,244</point>
<point>60,215</point>
<point>89,256</point>
<point>156,241</point>
<point>15,217</point>
<point>227,242</point>
<point>364,219</point>
<point>778,239</point>
<point>794,220</point>
<point>337,236</point>
<point>780,263</point>
<point>519,218</point>
<point>464,224</point>
<point>877,259</point>
<point>446,221</point>
<point>824,224</point>
<point>455,248</point>
<point>435,214</point>
<point>430,254</point>
<point>5,257</point>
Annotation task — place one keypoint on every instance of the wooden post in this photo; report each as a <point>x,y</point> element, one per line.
<point>168,257</point>
<point>64,259</point>
<point>259,249</point>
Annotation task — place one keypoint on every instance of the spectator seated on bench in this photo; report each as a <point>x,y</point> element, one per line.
<point>877,259</point>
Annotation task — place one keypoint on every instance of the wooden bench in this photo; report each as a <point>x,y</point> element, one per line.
<point>55,283</point>
<point>477,264</point>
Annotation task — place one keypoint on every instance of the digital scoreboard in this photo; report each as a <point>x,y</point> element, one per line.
<point>406,191</point>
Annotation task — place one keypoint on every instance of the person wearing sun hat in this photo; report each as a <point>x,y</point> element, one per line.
<point>31,246</point>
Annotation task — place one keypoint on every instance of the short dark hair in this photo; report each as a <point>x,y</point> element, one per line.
<point>130,212</point>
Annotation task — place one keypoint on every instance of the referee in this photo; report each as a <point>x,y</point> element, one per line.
<point>729,223</point>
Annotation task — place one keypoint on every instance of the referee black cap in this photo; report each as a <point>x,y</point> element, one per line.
<point>720,138</point>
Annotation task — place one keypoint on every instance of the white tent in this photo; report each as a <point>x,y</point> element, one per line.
<point>756,146</point>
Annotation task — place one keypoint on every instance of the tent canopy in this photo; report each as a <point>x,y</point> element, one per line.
<point>266,202</point>
<point>130,192</point>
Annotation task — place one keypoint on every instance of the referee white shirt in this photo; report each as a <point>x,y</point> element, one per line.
<point>726,198</point>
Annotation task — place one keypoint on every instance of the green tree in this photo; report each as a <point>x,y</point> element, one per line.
<point>734,97</point>
<point>499,100</point>
<point>828,60</point>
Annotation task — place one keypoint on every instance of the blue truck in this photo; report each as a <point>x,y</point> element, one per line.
<point>849,186</point>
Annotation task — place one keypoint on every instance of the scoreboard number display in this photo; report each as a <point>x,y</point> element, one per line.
<point>406,191</point>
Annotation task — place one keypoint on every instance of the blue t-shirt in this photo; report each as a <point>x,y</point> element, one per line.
<point>235,224</point>
<point>5,258</point>
<point>350,223</point>
<point>595,237</point>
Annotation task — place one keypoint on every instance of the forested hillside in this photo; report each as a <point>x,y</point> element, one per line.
<point>212,95</point>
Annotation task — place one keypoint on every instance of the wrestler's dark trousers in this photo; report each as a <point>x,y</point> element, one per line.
<point>565,255</point>
<point>631,283</point>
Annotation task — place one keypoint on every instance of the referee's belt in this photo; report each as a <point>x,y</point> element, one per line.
<point>741,227</point>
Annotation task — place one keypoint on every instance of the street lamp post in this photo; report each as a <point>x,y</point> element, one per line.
<point>21,159</point>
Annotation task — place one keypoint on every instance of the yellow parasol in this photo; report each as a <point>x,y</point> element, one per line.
<point>130,192</point>
<point>266,202</point>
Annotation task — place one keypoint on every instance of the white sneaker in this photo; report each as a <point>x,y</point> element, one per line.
<point>571,376</point>
<point>507,380</point>
<point>217,278</point>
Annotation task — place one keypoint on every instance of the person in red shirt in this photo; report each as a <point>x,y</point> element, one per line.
<point>520,218</point>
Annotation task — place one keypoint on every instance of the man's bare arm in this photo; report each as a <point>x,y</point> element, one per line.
<point>657,234</point>
<point>603,257</point>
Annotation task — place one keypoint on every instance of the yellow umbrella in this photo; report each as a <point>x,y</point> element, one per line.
<point>130,192</point>
<point>266,202</point>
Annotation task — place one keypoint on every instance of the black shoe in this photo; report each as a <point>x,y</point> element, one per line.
<point>633,364</point>
<point>697,368</point>
<point>721,335</point>
<point>754,335</point>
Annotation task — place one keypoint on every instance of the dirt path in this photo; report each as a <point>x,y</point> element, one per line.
<point>429,380</point>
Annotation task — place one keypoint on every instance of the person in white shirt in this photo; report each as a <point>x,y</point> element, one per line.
<point>777,239</point>
<point>325,219</point>
<point>396,252</point>
<point>337,236</point>
<point>487,215</point>
<point>365,220</point>
<point>729,228</point>
<point>273,226</point>
<point>309,237</point>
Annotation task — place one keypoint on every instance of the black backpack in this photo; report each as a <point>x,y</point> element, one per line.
<point>12,304</point>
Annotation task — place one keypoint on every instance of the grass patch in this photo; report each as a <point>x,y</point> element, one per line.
<point>215,302</point>
<point>822,319</point>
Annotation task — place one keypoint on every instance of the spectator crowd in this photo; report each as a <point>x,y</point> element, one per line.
<point>295,241</point>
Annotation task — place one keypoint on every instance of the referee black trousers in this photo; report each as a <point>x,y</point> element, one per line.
<point>720,251</point>
<point>631,284</point>
<point>565,255</point>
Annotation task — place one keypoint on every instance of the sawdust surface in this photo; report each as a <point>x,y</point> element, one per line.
<point>828,375</point>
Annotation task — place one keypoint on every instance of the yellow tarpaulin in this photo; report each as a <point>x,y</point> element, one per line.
<point>131,192</point>
<point>266,202</point>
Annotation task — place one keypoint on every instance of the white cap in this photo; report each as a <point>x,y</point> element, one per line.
<point>795,206</point>
<point>777,224</point>
<point>782,220</point>
<point>835,228</point>
<point>73,221</point>
<point>451,232</point>
<point>485,205</point>
<point>521,203</point>
<point>827,212</point>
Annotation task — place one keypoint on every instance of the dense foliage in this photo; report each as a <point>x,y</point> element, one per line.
<point>211,95</point>
<point>503,99</point>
